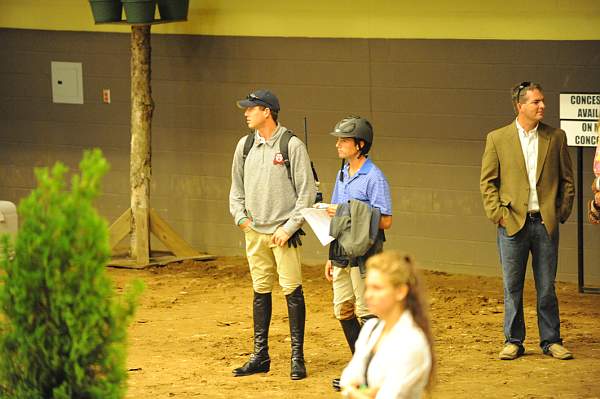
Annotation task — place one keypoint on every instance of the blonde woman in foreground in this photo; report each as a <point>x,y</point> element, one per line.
<point>394,356</point>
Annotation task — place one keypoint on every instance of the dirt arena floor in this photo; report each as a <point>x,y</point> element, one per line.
<point>194,326</point>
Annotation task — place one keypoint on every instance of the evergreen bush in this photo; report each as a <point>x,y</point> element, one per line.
<point>62,328</point>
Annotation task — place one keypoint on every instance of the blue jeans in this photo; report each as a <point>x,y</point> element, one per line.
<point>514,252</point>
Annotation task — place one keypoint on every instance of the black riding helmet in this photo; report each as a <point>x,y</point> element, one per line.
<point>354,127</point>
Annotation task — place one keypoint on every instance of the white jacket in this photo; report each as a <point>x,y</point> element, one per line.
<point>400,368</point>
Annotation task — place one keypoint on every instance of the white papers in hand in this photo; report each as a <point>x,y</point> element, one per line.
<point>319,222</point>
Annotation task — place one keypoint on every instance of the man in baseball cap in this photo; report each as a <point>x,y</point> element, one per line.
<point>265,204</point>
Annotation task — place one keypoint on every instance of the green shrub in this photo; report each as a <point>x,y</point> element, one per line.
<point>63,329</point>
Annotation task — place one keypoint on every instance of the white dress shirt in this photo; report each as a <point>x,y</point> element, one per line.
<point>400,367</point>
<point>529,145</point>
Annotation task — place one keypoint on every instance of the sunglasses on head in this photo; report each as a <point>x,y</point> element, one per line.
<point>252,97</point>
<point>521,87</point>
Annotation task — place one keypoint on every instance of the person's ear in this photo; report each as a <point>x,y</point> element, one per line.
<point>401,292</point>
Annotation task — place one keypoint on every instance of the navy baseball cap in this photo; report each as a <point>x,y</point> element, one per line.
<point>260,97</point>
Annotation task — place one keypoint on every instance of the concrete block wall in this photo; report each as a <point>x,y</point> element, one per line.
<point>431,103</point>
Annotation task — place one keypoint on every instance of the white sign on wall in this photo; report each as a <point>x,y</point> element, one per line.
<point>579,113</point>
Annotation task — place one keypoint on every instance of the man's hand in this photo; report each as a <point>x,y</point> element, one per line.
<point>245,225</point>
<point>385,222</point>
<point>329,271</point>
<point>280,237</point>
<point>331,210</point>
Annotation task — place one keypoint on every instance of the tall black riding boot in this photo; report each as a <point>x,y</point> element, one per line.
<point>351,329</point>
<point>297,317</point>
<point>259,361</point>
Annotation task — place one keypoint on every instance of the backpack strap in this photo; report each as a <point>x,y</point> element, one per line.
<point>283,149</point>
<point>248,146</point>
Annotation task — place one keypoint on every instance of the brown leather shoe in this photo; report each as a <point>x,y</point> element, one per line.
<point>558,351</point>
<point>511,351</point>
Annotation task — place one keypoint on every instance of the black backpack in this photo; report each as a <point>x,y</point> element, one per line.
<point>283,149</point>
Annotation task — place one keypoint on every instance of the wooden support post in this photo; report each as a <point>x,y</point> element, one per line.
<point>169,237</point>
<point>140,220</point>
<point>120,228</point>
<point>142,107</point>
<point>142,233</point>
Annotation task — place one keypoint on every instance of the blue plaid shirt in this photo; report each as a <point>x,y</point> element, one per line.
<point>368,185</point>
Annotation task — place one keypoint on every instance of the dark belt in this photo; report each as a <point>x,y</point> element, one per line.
<point>534,216</point>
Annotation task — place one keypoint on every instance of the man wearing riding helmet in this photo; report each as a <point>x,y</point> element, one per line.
<point>358,179</point>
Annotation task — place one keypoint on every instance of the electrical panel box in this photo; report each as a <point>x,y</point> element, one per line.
<point>67,82</point>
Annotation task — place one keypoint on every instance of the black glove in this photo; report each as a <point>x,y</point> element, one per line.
<point>295,239</point>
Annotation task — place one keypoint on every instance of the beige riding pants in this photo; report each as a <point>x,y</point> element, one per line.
<point>267,259</point>
<point>348,293</point>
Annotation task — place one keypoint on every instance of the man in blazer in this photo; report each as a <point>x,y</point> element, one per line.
<point>527,189</point>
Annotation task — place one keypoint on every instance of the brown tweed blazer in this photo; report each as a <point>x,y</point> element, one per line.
<point>504,183</point>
